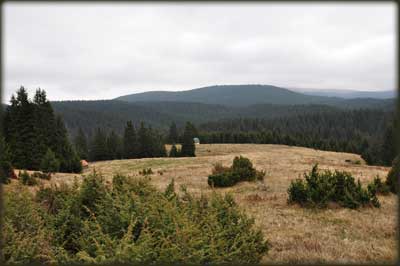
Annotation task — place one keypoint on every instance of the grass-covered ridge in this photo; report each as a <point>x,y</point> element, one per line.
<point>128,221</point>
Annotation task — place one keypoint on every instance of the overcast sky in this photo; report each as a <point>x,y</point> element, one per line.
<point>101,51</point>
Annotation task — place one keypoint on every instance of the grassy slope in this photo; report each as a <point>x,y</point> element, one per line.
<point>296,234</point>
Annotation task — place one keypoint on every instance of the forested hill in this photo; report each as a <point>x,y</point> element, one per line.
<point>245,95</point>
<point>113,114</point>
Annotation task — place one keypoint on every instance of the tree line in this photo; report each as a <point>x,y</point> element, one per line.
<point>370,133</point>
<point>142,141</point>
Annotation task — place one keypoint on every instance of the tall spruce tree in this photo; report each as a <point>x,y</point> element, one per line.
<point>173,134</point>
<point>81,145</point>
<point>44,123</point>
<point>130,142</point>
<point>20,130</point>
<point>65,152</point>
<point>158,146</point>
<point>144,142</point>
<point>188,146</point>
<point>112,145</point>
<point>98,147</point>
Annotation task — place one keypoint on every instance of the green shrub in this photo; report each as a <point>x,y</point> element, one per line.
<point>225,179</point>
<point>26,179</point>
<point>319,188</point>
<point>244,168</point>
<point>241,170</point>
<point>128,222</point>
<point>24,231</point>
<point>379,187</point>
<point>393,177</point>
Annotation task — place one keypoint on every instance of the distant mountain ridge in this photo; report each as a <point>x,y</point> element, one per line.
<point>348,94</point>
<point>236,95</point>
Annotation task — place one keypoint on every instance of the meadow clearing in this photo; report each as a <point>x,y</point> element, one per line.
<point>339,235</point>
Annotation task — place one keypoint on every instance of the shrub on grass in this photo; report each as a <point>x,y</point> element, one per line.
<point>317,189</point>
<point>379,187</point>
<point>241,170</point>
<point>225,179</point>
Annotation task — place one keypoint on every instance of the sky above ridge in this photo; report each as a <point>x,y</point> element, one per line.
<point>102,51</point>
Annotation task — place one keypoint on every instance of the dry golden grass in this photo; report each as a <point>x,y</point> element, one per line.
<point>367,235</point>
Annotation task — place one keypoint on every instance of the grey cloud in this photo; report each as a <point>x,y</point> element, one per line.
<point>94,51</point>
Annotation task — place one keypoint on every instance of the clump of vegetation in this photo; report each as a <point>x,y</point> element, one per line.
<point>46,176</point>
<point>146,171</point>
<point>317,189</point>
<point>127,222</point>
<point>379,187</point>
<point>241,170</point>
<point>27,179</point>
<point>393,177</point>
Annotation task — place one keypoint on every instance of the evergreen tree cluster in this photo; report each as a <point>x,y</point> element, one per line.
<point>188,148</point>
<point>141,142</point>
<point>32,132</point>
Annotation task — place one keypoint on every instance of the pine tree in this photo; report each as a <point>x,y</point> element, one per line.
<point>173,134</point>
<point>81,145</point>
<point>98,147</point>
<point>144,141</point>
<point>20,130</point>
<point>188,146</point>
<point>112,145</point>
<point>49,163</point>
<point>158,144</point>
<point>130,142</point>
<point>65,152</point>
